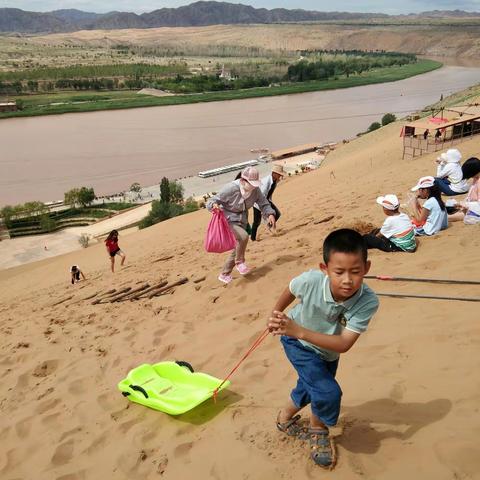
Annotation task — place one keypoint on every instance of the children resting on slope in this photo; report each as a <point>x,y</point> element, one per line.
<point>397,233</point>
<point>334,308</point>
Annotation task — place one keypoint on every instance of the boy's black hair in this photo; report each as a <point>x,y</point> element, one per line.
<point>344,240</point>
<point>74,268</point>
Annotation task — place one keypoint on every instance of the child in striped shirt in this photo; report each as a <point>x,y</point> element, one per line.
<point>397,233</point>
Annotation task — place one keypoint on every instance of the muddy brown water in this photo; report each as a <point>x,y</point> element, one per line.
<point>42,157</point>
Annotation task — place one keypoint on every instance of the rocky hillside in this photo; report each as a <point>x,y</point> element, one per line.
<point>197,14</point>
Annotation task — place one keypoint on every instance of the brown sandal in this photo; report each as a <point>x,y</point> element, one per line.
<point>290,427</point>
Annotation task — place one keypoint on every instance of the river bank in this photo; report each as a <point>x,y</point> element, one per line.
<point>38,104</point>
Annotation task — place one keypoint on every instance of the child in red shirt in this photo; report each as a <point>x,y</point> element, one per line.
<point>113,249</point>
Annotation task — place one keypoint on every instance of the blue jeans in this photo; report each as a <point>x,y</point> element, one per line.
<point>444,186</point>
<point>316,384</point>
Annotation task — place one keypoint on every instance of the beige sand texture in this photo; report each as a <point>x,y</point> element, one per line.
<point>410,384</point>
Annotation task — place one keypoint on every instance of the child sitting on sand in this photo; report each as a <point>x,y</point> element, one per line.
<point>334,308</point>
<point>449,173</point>
<point>113,249</point>
<point>431,217</point>
<point>396,234</point>
<point>75,273</point>
<point>469,209</point>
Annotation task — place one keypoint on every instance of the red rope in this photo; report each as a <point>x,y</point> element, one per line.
<point>256,343</point>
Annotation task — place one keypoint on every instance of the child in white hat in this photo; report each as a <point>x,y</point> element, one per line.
<point>397,233</point>
<point>431,217</point>
<point>449,173</point>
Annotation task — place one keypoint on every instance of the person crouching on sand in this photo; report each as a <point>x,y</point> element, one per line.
<point>334,309</point>
<point>75,273</point>
<point>113,249</point>
<point>235,199</point>
<point>397,233</point>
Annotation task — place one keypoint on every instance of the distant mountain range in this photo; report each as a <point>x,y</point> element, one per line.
<point>197,14</point>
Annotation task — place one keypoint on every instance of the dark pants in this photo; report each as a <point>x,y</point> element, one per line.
<point>382,243</point>
<point>444,185</point>
<point>257,218</point>
<point>316,384</point>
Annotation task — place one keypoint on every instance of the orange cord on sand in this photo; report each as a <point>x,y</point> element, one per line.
<point>256,343</point>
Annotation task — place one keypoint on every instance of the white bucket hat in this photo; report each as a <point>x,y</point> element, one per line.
<point>451,156</point>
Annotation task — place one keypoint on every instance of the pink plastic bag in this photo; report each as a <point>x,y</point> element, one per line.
<point>220,237</point>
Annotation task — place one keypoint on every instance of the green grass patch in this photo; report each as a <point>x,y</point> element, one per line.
<point>121,100</point>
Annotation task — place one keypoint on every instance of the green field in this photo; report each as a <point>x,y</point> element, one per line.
<point>53,104</point>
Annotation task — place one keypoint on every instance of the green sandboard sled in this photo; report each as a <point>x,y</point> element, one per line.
<point>171,387</point>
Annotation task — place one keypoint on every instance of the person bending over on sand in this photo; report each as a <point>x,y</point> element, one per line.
<point>235,199</point>
<point>113,249</point>
<point>268,186</point>
<point>397,233</point>
<point>432,217</point>
<point>334,308</point>
<point>75,273</point>
<point>469,209</point>
<point>449,173</point>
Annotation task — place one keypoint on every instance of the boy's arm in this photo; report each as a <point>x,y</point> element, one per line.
<point>280,324</point>
<point>285,299</point>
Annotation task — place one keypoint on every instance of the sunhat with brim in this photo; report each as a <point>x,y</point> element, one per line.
<point>390,202</point>
<point>450,156</point>
<point>424,182</point>
<point>251,175</point>
<point>278,169</point>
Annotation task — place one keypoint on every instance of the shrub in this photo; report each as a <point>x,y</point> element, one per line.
<point>83,240</point>
<point>374,126</point>
<point>388,118</point>
<point>47,224</point>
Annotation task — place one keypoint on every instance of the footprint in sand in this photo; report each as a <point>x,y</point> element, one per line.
<point>47,405</point>
<point>78,386</point>
<point>183,449</point>
<point>45,368</point>
<point>23,427</point>
<point>63,453</point>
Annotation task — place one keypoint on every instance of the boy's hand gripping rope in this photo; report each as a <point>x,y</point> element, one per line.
<point>256,343</point>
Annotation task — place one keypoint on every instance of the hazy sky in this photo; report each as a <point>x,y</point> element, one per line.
<point>138,6</point>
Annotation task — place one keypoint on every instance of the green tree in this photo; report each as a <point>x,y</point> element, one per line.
<point>71,197</point>
<point>164,190</point>
<point>135,187</point>
<point>7,213</point>
<point>176,192</point>
<point>86,196</point>
<point>388,118</point>
<point>33,209</point>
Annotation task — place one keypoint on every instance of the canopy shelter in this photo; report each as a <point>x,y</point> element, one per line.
<point>435,133</point>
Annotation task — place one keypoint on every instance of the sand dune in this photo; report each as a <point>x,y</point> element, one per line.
<point>410,405</point>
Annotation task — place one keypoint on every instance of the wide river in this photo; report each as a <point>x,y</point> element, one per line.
<point>42,157</point>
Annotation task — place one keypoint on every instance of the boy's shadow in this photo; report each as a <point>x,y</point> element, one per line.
<point>399,420</point>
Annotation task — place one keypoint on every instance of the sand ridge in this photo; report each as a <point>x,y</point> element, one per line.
<point>410,383</point>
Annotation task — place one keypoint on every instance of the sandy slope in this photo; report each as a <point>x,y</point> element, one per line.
<point>411,392</point>
<point>428,40</point>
